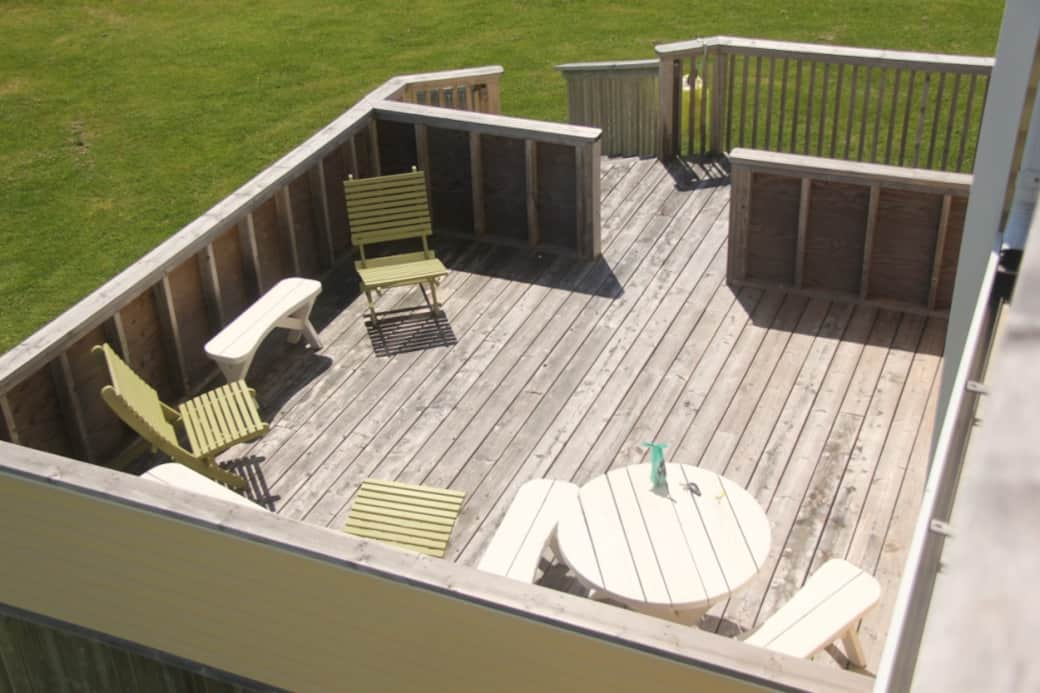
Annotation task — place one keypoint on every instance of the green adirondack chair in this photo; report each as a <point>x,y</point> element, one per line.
<point>212,422</point>
<point>392,208</point>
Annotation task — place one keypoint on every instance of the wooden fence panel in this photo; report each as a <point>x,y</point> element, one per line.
<point>307,229</point>
<point>773,228</point>
<point>107,432</point>
<point>148,348</point>
<point>557,195</point>
<point>189,304</point>
<point>835,236</point>
<point>505,196</point>
<point>901,260</point>
<point>37,417</point>
<point>450,180</point>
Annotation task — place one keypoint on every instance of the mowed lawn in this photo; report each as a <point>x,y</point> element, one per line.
<point>122,121</point>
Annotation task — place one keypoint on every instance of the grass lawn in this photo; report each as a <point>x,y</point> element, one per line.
<point>122,121</point>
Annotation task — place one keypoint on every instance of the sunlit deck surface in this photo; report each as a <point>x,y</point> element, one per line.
<point>544,367</point>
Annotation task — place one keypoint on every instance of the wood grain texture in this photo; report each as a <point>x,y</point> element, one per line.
<point>834,236</point>
<point>36,415</point>
<point>145,341</point>
<point>235,290</point>
<point>450,181</point>
<point>194,328</point>
<point>505,200</point>
<point>773,228</point>
<point>951,250</point>
<point>108,434</point>
<point>274,259</point>
<point>398,152</point>
<point>901,257</point>
<point>556,196</point>
<point>307,229</point>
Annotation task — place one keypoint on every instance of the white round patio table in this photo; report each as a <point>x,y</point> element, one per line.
<point>670,553</point>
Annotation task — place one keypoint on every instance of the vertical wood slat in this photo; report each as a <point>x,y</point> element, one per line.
<point>920,120</point>
<point>949,121</point>
<point>743,97</point>
<point>531,187</point>
<point>769,102</point>
<point>476,166</point>
<point>940,248</point>
<point>171,332</point>
<point>691,108</point>
<point>251,256</point>
<point>935,117</point>
<point>783,107</point>
<point>892,117</point>
<point>211,287</point>
<point>823,109</point>
<point>72,411</point>
<point>318,183</point>
<point>591,194</point>
<point>912,79</point>
<point>422,155</point>
<point>718,93</point>
<point>804,201</point>
<point>797,98</point>
<point>754,119</point>
<point>373,148</point>
<point>704,102</point>
<point>808,106</point>
<point>115,335</point>
<point>864,115</point>
<point>730,79</point>
<point>7,416</point>
<point>968,105</point>
<point>837,111</point>
<point>877,115</point>
<point>739,220</point>
<point>666,115</point>
<point>868,239</point>
<point>852,110</point>
<point>287,226</point>
<point>352,155</point>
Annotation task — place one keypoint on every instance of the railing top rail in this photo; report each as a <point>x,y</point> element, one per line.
<point>649,65</point>
<point>90,312</point>
<point>967,64</point>
<point>942,182</point>
<point>487,124</point>
<point>448,77</point>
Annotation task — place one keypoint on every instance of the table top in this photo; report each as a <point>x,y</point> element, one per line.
<point>670,548</point>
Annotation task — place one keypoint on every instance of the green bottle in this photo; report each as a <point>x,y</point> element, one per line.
<point>658,476</point>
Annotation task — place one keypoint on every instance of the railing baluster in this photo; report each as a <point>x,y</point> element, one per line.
<point>968,107</point>
<point>906,116</point>
<point>920,119</point>
<point>864,116</point>
<point>950,119</point>
<point>823,110</point>
<point>743,96</point>
<point>852,109</point>
<point>769,101</point>
<point>808,106</point>
<point>837,110</point>
<point>797,102</point>
<point>783,108</point>
<point>892,117</point>
<point>704,102</point>
<point>877,114</point>
<point>691,107</point>
<point>935,117</point>
<point>758,82</point>
<point>730,79</point>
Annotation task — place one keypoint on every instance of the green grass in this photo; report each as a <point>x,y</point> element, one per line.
<point>122,121</point>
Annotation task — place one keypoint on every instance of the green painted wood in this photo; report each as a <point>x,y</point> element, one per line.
<point>213,421</point>
<point>419,518</point>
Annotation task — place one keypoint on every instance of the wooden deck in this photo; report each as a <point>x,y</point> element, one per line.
<point>545,367</point>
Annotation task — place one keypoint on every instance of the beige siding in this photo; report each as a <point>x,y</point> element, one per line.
<point>216,592</point>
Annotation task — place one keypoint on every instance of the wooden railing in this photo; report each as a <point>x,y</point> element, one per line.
<point>502,180</point>
<point>475,90</point>
<point>906,109</point>
<point>620,97</point>
<point>870,233</point>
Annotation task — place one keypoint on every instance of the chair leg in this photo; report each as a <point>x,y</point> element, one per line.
<point>433,292</point>
<point>371,304</point>
<point>854,648</point>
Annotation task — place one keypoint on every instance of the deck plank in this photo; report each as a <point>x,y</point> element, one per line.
<point>822,410</point>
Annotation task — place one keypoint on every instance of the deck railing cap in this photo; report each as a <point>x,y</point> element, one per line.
<point>648,64</point>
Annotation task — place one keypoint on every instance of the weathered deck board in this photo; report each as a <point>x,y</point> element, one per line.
<point>822,410</point>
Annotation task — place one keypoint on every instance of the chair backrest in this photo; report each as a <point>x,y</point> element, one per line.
<point>137,403</point>
<point>388,208</point>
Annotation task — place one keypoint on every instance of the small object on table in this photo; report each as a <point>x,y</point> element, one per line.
<point>658,475</point>
<point>419,518</point>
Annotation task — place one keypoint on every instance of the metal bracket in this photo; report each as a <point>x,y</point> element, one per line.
<point>976,386</point>
<point>941,527</point>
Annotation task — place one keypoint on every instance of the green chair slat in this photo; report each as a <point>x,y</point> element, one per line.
<point>419,518</point>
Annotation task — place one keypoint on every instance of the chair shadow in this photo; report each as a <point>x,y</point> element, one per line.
<point>400,333</point>
<point>258,491</point>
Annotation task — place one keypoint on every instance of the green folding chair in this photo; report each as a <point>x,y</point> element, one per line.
<point>212,422</point>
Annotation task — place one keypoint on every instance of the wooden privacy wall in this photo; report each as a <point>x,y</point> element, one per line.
<point>499,180</point>
<point>290,220</point>
<point>621,98</point>
<point>842,230</point>
<point>921,110</point>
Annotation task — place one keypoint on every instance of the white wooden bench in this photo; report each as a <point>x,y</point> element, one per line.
<point>828,607</point>
<point>288,304</point>
<point>529,525</point>
<point>176,474</point>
